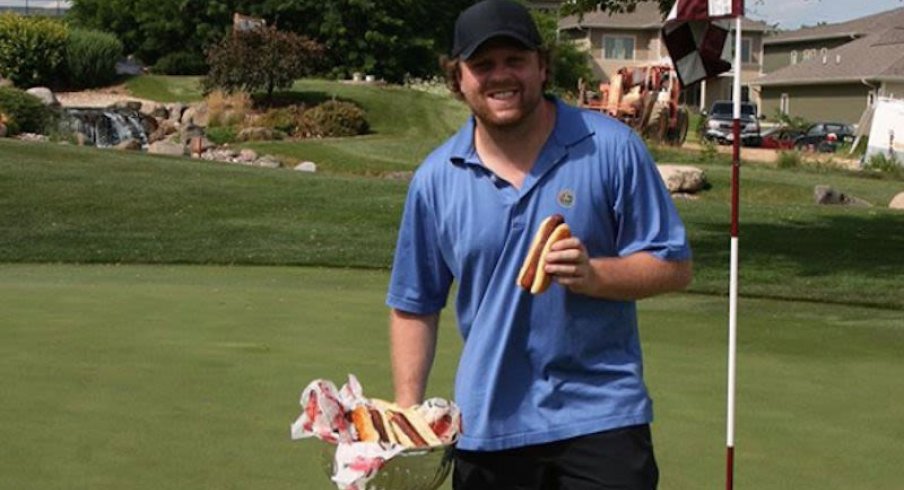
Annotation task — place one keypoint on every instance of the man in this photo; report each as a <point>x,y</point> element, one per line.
<point>550,386</point>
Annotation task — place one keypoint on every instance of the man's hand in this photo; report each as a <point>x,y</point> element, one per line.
<point>632,277</point>
<point>569,265</point>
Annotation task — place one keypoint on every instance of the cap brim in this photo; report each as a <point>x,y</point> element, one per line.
<point>469,50</point>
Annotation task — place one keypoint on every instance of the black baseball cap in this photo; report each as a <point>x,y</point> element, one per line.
<point>493,18</point>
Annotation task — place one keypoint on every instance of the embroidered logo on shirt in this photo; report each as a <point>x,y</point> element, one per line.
<point>566,198</point>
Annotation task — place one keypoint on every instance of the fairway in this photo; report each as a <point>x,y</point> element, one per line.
<point>174,377</point>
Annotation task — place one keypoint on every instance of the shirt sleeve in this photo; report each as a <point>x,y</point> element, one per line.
<point>647,218</point>
<point>420,278</point>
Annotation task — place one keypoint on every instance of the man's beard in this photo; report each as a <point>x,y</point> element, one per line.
<point>510,117</point>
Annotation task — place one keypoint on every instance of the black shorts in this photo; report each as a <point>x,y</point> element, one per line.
<point>617,459</point>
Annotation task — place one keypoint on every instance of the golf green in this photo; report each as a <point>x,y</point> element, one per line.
<point>172,377</point>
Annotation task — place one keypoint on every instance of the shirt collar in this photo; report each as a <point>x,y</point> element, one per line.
<point>569,129</point>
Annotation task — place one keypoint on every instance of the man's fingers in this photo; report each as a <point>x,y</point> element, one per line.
<point>569,255</point>
<point>571,242</point>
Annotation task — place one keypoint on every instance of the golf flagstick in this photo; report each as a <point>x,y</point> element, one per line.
<point>733,278</point>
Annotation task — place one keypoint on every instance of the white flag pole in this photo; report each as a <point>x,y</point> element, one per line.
<point>733,280</point>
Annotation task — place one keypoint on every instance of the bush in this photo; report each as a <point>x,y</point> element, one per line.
<point>285,119</point>
<point>91,58</point>
<point>260,59</point>
<point>221,135</point>
<point>227,109</point>
<point>789,159</point>
<point>181,63</point>
<point>26,113</point>
<point>886,164</point>
<point>31,49</point>
<point>333,118</point>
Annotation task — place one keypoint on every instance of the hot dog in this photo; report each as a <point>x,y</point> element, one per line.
<point>411,429</point>
<point>532,275</point>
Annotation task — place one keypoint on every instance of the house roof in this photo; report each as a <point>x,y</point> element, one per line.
<point>874,57</point>
<point>852,28</point>
<point>646,16</point>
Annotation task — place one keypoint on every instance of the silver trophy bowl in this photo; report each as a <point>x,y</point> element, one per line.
<point>412,469</point>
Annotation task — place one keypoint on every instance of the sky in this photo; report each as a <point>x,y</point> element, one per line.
<point>789,14</point>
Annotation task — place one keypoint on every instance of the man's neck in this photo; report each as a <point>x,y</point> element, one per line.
<point>511,152</point>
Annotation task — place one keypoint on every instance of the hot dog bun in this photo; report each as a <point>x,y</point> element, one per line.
<point>532,276</point>
<point>542,280</point>
<point>411,429</point>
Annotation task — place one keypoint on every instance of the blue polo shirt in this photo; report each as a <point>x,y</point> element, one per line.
<point>536,369</point>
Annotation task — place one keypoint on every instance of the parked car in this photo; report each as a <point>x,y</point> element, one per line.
<point>825,137</point>
<point>780,138</point>
<point>720,120</point>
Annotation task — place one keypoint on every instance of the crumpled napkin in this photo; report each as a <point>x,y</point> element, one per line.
<point>323,416</point>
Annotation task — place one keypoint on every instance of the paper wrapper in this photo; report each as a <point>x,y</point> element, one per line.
<point>323,416</point>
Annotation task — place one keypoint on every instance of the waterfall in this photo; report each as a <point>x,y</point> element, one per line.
<point>106,127</point>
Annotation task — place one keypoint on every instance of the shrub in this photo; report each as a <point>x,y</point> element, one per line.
<point>181,63</point>
<point>885,164</point>
<point>221,135</point>
<point>227,109</point>
<point>260,59</point>
<point>789,159</point>
<point>285,119</point>
<point>26,113</point>
<point>708,152</point>
<point>31,49</point>
<point>91,58</point>
<point>334,118</point>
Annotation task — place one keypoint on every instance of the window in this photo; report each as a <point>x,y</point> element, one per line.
<point>785,104</point>
<point>871,98</point>
<point>809,54</point>
<point>618,47</point>
<point>746,49</point>
<point>794,57</point>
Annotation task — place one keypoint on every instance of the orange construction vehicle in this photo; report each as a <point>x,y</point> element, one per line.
<point>645,98</point>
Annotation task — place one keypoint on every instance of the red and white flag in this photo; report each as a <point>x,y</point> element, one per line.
<point>697,34</point>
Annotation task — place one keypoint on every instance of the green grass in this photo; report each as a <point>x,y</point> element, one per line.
<point>63,203</point>
<point>405,124</point>
<point>172,377</point>
<point>164,88</point>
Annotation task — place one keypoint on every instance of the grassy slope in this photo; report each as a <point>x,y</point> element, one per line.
<point>70,204</point>
<point>405,124</point>
<point>188,377</point>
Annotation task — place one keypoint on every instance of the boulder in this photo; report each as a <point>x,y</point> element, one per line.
<point>5,82</point>
<point>45,94</point>
<point>175,111</point>
<point>128,144</point>
<point>166,148</point>
<point>247,155</point>
<point>267,161</point>
<point>155,109</point>
<point>682,178</point>
<point>306,167</point>
<point>196,114</point>
<point>129,105</point>
<point>827,195</point>
<point>897,202</point>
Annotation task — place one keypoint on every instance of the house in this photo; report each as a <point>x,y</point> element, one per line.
<point>833,72</point>
<point>633,39</point>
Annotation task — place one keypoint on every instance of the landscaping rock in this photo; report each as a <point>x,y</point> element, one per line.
<point>45,94</point>
<point>129,144</point>
<point>175,111</point>
<point>227,155</point>
<point>166,148</point>
<point>826,195</point>
<point>155,109</point>
<point>129,105</point>
<point>897,202</point>
<point>247,155</point>
<point>5,82</point>
<point>267,161</point>
<point>682,178</point>
<point>196,114</point>
<point>306,167</point>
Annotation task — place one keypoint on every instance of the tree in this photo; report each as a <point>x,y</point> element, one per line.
<point>260,59</point>
<point>612,6</point>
